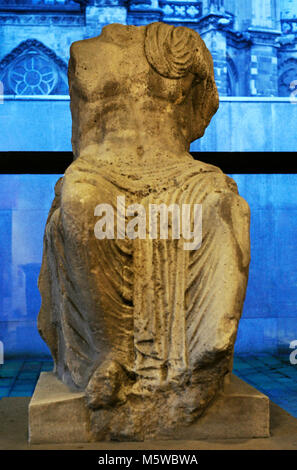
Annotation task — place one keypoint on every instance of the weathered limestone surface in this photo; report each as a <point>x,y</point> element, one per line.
<point>239,411</point>
<point>143,328</point>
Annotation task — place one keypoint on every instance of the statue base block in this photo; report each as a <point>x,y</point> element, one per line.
<point>59,415</point>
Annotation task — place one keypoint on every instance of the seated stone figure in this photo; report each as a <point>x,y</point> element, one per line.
<point>143,326</point>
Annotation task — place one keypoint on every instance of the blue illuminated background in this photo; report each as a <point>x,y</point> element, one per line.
<point>269,321</point>
<point>254,46</point>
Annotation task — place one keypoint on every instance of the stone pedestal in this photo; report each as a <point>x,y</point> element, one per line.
<point>58,415</point>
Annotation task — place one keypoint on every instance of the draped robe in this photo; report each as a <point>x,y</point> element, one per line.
<point>150,305</point>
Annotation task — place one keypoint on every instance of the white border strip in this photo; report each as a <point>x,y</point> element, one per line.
<point>230,99</point>
<point>35,98</point>
<point>256,99</point>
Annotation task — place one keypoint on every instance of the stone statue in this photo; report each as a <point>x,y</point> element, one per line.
<point>144,327</point>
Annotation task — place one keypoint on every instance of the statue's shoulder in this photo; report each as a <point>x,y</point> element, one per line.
<point>84,45</point>
<point>205,167</point>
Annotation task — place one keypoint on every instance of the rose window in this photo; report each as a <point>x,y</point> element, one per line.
<point>33,74</point>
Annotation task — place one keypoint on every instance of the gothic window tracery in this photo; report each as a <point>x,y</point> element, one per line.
<point>232,78</point>
<point>32,75</point>
<point>33,69</point>
<point>287,77</point>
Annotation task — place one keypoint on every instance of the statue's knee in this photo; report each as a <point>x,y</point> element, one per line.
<point>233,208</point>
<point>228,214</point>
<point>235,212</point>
<point>77,198</point>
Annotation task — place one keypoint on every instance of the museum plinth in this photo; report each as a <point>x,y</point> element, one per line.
<point>59,415</point>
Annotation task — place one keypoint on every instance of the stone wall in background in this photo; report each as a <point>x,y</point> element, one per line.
<point>254,47</point>
<point>254,43</point>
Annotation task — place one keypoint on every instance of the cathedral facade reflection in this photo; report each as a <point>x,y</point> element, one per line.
<point>253,43</point>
